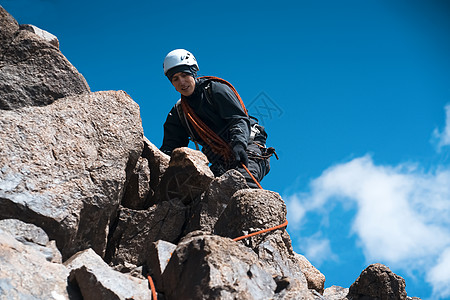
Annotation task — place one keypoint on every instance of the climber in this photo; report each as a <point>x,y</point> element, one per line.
<point>211,113</point>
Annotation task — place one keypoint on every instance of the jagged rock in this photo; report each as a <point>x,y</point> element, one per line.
<point>315,279</point>
<point>213,267</point>
<point>157,259</point>
<point>213,202</point>
<point>33,70</point>
<point>378,282</point>
<point>158,163</point>
<point>65,165</point>
<point>24,232</point>
<point>138,188</point>
<point>52,39</point>
<point>25,273</point>
<point>251,210</point>
<point>8,26</point>
<point>96,280</point>
<point>335,293</point>
<point>137,230</point>
<point>187,176</point>
<point>32,236</point>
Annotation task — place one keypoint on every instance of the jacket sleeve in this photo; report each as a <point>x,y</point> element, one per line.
<point>230,109</point>
<point>175,135</point>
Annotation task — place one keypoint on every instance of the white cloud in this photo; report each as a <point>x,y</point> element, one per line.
<point>402,213</point>
<point>443,138</point>
<point>317,249</point>
<point>439,276</point>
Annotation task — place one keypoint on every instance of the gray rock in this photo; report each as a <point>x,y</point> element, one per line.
<point>97,280</point>
<point>65,165</point>
<point>213,202</point>
<point>137,230</point>
<point>187,176</point>
<point>157,259</point>
<point>213,267</point>
<point>315,279</point>
<point>378,282</point>
<point>251,210</point>
<point>157,161</point>
<point>33,71</point>
<point>24,232</point>
<point>25,273</point>
<point>32,236</point>
<point>138,189</point>
<point>335,293</point>
<point>281,261</point>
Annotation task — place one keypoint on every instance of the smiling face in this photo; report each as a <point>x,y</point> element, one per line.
<point>183,83</point>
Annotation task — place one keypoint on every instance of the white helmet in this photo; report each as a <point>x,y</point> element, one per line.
<point>179,60</point>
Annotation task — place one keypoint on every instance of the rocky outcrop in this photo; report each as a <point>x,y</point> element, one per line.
<point>378,282</point>
<point>212,267</point>
<point>96,280</point>
<point>186,178</point>
<point>32,69</point>
<point>78,177</point>
<point>65,166</point>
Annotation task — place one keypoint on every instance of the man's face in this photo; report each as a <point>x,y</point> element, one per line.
<point>183,83</point>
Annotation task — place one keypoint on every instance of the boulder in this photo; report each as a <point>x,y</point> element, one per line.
<point>212,267</point>
<point>378,282</point>
<point>25,273</point>
<point>157,259</point>
<point>33,70</point>
<point>24,232</point>
<point>315,279</point>
<point>251,210</point>
<point>64,167</point>
<point>138,189</point>
<point>33,236</point>
<point>204,214</point>
<point>137,229</point>
<point>187,176</point>
<point>96,280</point>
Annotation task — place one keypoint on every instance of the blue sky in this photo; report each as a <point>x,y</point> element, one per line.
<point>354,96</point>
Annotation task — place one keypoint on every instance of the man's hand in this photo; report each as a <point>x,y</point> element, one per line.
<point>240,154</point>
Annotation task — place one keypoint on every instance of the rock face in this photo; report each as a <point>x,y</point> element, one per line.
<point>89,207</point>
<point>65,165</point>
<point>33,70</point>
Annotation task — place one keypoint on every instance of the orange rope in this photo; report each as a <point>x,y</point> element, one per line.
<point>261,231</point>
<point>152,287</point>
<point>251,175</point>
<point>231,87</point>
<point>217,144</point>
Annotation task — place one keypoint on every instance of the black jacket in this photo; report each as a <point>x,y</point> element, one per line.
<point>218,108</point>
